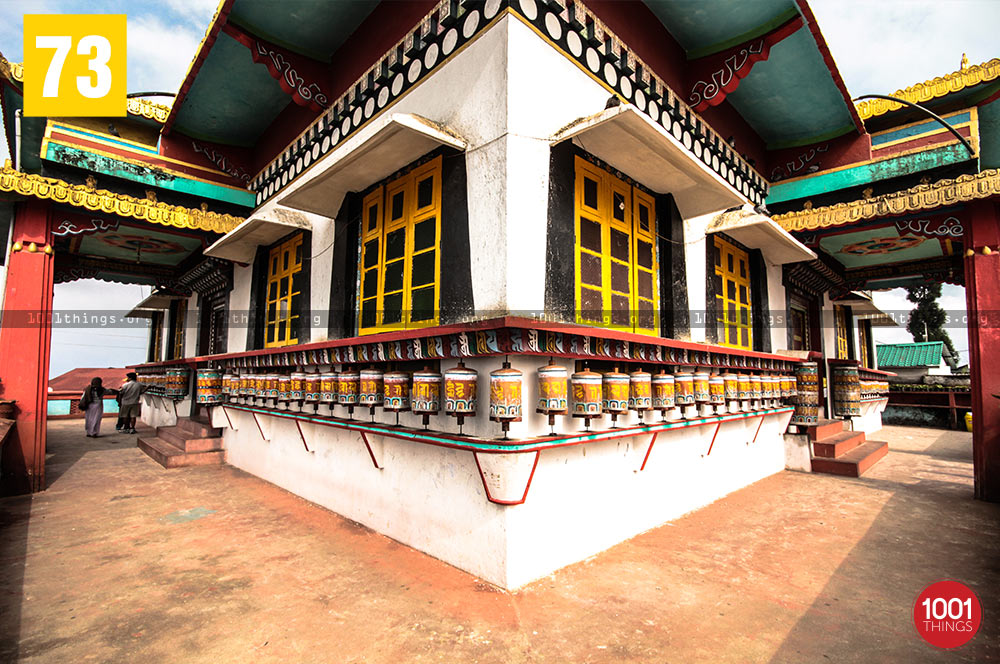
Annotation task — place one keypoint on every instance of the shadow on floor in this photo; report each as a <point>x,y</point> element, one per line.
<point>908,540</point>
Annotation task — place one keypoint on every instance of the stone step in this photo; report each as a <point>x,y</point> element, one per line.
<point>198,428</point>
<point>170,456</point>
<point>824,429</point>
<point>853,463</point>
<point>187,441</point>
<point>838,444</point>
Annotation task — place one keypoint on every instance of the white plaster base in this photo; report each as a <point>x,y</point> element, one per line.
<point>870,419</point>
<point>159,411</point>
<point>798,452</point>
<point>581,499</point>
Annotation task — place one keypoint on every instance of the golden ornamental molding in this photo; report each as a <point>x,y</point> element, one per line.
<point>921,197</point>
<point>932,89</point>
<point>109,202</point>
<point>12,71</point>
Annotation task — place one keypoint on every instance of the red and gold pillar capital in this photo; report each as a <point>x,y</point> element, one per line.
<point>25,339</point>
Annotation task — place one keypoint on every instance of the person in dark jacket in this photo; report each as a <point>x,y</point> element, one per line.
<point>92,405</point>
<point>130,392</point>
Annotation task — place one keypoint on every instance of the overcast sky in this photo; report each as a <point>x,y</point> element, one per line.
<point>880,46</point>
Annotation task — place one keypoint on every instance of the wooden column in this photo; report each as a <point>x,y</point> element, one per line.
<point>982,293</point>
<point>25,337</point>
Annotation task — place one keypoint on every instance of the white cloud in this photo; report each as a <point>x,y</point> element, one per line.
<point>158,54</point>
<point>197,12</point>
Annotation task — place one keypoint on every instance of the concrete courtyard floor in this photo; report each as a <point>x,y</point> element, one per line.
<point>123,561</point>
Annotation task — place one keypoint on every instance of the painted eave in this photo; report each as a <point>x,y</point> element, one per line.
<point>383,147</point>
<point>262,229</point>
<point>759,231</point>
<point>631,142</point>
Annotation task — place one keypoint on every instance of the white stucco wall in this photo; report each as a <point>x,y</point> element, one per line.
<point>240,316</point>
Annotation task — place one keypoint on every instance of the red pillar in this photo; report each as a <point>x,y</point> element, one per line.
<point>982,294</point>
<point>25,336</point>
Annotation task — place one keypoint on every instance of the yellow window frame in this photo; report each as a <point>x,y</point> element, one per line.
<point>734,306</point>
<point>840,320</point>
<point>617,211</point>
<point>179,324</point>
<point>379,205</point>
<point>283,262</point>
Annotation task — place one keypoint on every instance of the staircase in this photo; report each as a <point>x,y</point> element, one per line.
<point>840,452</point>
<point>191,442</point>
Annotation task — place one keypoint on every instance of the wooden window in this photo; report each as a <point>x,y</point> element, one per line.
<point>400,261</point>
<point>840,320</point>
<point>180,313</point>
<point>284,293</point>
<point>616,284</point>
<point>156,336</point>
<point>732,268</point>
<point>864,339</point>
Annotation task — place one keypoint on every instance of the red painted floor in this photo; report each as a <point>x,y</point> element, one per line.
<point>123,561</point>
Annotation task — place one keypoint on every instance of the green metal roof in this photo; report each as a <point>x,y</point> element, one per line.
<point>909,356</point>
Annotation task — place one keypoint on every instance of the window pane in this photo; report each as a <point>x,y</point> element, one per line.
<point>729,261</point>
<point>590,269</point>
<point>393,277</point>
<point>590,235</point>
<point>393,309</point>
<point>422,303</point>
<point>425,192</point>
<point>372,217</point>
<point>368,313</point>
<point>423,269</point>
<point>744,337</point>
<point>297,281</point>
<point>282,327</point>
<point>744,316</point>
<point>590,305</point>
<point>620,310</point>
<point>619,245</point>
<point>282,309</point>
<point>274,265</point>
<point>272,290</point>
<point>618,206</point>
<point>589,192</point>
<point>423,234</point>
<point>645,284</point>
<point>270,333</point>
<point>619,277</point>
<point>371,253</point>
<point>395,244</point>
<point>370,284</point>
<point>272,312</point>
<point>644,315</point>
<point>296,304</point>
<point>730,289</point>
<point>643,217</point>
<point>397,205</point>
<point>644,254</point>
<point>284,259</point>
<point>744,299</point>
<point>283,287</point>
<point>743,268</point>
<point>298,254</point>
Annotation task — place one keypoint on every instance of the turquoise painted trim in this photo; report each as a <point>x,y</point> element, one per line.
<point>824,183</point>
<point>107,139</point>
<point>917,130</point>
<point>73,157</point>
<point>828,136</point>
<point>57,407</point>
<point>753,33</point>
<point>483,445</point>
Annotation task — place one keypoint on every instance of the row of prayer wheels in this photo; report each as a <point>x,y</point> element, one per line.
<point>591,394</point>
<point>873,387</point>
<point>172,383</point>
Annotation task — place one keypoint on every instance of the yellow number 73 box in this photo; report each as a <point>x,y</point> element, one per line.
<point>74,65</point>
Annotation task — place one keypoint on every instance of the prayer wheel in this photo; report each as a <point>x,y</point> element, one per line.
<point>716,390</point>
<point>260,382</point>
<point>700,381</point>
<point>756,388</point>
<point>616,388</point>
<point>766,387</point>
<point>272,383</point>
<point>505,396</point>
<point>347,390</point>
<point>743,387</point>
<point>640,394</point>
<point>425,398</point>
<point>296,391</point>
<point>807,394</point>
<point>553,392</point>
<point>328,387</point>
<point>587,394</point>
<point>244,383</point>
<point>460,392</point>
<point>397,391</point>
<point>284,388</point>
<point>176,382</point>
<point>663,392</point>
<point>227,385</point>
<point>371,389</point>
<point>311,387</point>
<point>846,391</point>
<point>684,389</point>
<point>209,390</point>
<point>731,386</point>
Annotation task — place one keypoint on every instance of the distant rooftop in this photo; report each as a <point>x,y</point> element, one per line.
<point>79,379</point>
<point>909,356</point>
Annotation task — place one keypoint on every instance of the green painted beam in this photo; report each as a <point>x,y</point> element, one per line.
<point>147,175</point>
<point>824,183</point>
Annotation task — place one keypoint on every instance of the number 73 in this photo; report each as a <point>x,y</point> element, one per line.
<point>92,86</point>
